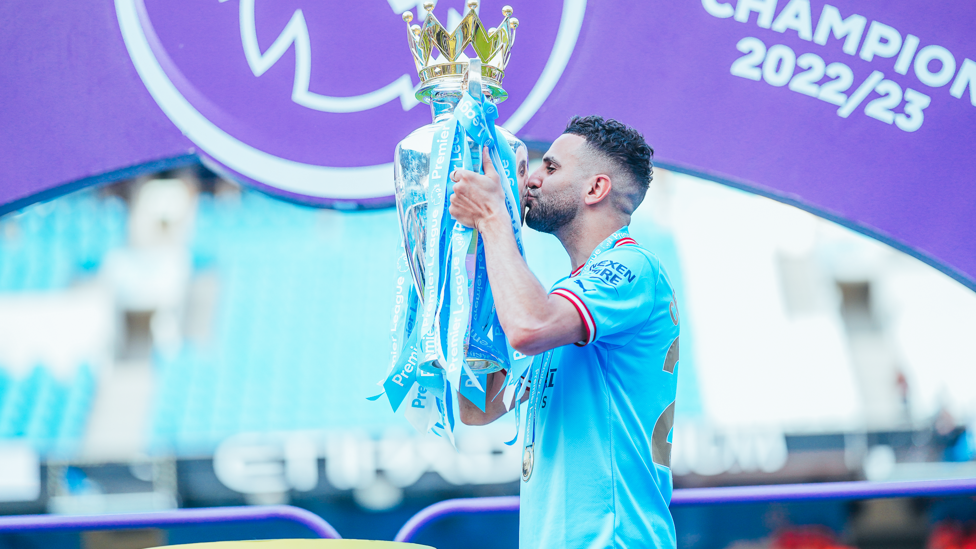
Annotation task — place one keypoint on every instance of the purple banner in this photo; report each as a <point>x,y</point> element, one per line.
<point>862,113</point>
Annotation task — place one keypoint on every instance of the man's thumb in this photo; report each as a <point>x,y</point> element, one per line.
<point>486,162</point>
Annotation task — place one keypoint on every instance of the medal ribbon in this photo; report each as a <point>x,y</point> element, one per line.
<point>538,388</point>
<point>607,244</point>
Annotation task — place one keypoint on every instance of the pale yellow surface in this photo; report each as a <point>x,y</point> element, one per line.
<point>304,544</point>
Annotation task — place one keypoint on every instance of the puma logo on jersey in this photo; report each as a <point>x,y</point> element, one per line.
<point>580,284</point>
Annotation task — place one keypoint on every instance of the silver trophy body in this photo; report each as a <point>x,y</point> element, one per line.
<point>411,171</point>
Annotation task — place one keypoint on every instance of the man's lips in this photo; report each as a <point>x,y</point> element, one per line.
<point>526,204</point>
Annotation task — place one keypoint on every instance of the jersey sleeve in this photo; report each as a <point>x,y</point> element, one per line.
<point>613,295</point>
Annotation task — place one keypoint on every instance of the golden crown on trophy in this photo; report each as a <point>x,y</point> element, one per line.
<point>492,46</point>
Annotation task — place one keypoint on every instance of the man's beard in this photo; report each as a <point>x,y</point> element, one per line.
<point>551,214</point>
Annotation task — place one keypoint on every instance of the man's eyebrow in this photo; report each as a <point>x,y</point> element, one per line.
<point>523,163</point>
<point>550,160</point>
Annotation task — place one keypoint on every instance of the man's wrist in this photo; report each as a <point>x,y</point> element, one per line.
<point>496,224</point>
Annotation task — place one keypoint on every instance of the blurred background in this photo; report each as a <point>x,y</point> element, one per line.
<point>179,341</point>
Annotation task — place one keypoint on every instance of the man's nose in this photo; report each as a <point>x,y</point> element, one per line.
<point>535,180</point>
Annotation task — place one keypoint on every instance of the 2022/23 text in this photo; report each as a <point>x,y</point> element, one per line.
<point>778,64</point>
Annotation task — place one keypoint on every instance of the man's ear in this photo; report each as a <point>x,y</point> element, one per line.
<point>598,189</point>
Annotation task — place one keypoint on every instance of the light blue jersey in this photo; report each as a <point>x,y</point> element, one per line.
<point>602,451</point>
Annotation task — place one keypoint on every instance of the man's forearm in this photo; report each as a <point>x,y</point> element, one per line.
<point>517,292</point>
<point>530,318</point>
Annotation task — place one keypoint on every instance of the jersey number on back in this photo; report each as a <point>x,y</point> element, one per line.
<point>660,447</point>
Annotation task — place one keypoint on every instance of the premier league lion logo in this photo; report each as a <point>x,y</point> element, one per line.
<point>306,100</point>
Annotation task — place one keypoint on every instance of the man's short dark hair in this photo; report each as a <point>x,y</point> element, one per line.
<point>622,144</point>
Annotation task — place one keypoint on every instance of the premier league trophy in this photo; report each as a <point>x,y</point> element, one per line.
<point>446,335</point>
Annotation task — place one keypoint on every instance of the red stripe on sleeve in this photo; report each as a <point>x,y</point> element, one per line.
<point>588,324</point>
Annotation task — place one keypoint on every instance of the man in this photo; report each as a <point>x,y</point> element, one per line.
<point>597,456</point>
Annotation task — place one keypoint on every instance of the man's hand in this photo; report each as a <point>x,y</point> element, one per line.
<point>495,407</point>
<point>478,198</point>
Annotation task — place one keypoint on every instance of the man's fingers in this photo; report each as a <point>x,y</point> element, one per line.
<point>458,204</point>
<point>486,163</point>
<point>460,174</point>
<point>459,214</point>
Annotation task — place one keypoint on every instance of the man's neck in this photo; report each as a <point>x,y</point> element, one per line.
<point>580,238</point>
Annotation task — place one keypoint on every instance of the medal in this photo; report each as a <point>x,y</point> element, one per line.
<point>528,459</point>
<point>536,388</point>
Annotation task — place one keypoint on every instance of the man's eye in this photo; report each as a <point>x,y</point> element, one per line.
<point>550,169</point>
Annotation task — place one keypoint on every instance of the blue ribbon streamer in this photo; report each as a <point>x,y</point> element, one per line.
<point>452,324</point>
<point>440,167</point>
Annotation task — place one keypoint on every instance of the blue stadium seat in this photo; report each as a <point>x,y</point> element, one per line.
<point>60,241</point>
<point>19,401</point>
<point>45,414</point>
<point>77,407</point>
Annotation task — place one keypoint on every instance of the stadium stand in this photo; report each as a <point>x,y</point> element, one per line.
<point>57,242</point>
<point>48,248</point>
<point>45,412</point>
<point>285,279</point>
